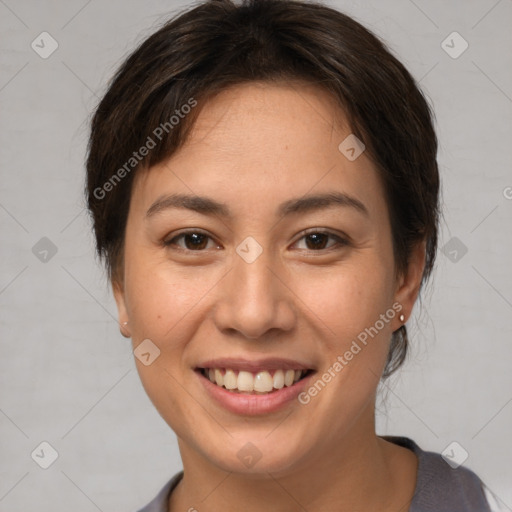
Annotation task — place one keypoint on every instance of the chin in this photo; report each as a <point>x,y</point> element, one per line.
<point>255,455</point>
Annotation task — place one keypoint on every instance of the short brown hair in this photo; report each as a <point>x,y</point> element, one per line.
<point>217,44</point>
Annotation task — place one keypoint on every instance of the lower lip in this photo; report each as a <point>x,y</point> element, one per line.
<point>252,405</point>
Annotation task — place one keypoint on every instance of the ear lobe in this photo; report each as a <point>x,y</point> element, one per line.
<point>410,282</point>
<point>118,291</point>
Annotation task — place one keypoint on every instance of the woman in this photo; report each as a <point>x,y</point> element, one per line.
<point>263,184</point>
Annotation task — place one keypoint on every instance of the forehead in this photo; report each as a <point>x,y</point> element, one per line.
<point>264,142</point>
<point>255,118</point>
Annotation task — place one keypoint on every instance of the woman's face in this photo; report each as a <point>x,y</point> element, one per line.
<point>268,276</point>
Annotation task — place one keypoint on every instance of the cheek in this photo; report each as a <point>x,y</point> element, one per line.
<point>163,306</point>
<point>163,299</point>
<point>346,305</point>
<point>347,298</point>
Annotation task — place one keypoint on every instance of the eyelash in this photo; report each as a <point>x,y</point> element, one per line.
<point>340,241</point>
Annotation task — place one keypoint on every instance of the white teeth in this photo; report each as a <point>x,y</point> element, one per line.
<point>230,380</point>
<point>262,382</point>
<point>245,381</point>
<point>279,379</point>
<point>288,377</point>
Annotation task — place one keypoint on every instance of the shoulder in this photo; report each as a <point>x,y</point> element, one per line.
<point>160,501</point>
<point>441,487</point>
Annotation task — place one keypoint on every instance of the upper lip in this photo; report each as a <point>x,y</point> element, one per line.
<point>268,363</point>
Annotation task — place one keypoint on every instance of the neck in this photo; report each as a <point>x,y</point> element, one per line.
<point>359,472</point>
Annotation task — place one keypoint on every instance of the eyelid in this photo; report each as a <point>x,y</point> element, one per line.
<point>167,242</point>
<point>341,239</point>
<point>325,231</point>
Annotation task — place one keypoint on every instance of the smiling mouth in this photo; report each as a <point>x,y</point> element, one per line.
<point>253,383</point>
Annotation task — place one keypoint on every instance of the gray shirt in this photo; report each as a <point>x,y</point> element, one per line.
<point>439,487</point>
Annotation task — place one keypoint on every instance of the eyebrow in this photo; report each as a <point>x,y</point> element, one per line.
<point>208,206</point>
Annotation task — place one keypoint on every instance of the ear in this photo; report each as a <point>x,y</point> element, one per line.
<point>118,291</point>
<point>408,285</point>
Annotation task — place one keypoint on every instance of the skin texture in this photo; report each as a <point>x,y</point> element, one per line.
<point>253,147</point>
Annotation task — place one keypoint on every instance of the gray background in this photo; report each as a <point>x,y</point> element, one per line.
<point>68,377</point>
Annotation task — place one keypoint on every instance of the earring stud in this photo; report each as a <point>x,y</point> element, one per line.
<point>401,317</point>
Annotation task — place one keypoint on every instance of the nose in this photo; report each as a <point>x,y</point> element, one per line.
<point>255,299</point>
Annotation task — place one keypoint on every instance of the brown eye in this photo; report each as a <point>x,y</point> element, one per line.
<point>197,241</point>
<point>193,241</point>
<point>317,240</point>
